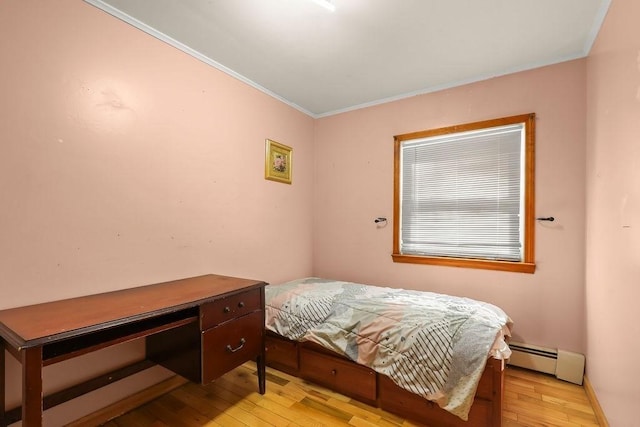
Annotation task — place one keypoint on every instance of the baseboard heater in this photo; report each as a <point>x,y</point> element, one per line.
<point>565,365</point>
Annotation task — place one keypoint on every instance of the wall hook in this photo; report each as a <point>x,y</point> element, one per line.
<point>380,219</point>
<point>547,218</point>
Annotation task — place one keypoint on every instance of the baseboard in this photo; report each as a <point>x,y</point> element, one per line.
<point>129,403</point>
<point>597,409</point>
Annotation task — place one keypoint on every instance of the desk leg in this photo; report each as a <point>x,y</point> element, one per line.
<point>3,421</point>
<point>32,387</point>
<point>261,363</point>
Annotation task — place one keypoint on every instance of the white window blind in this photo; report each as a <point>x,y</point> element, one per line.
<point>462,194</point>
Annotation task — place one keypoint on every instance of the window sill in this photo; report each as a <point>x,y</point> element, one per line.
<point>518,267</point>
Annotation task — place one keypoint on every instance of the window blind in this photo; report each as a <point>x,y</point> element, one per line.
<point>461,194</point>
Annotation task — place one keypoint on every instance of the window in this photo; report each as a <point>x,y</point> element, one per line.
<point>464,195</point>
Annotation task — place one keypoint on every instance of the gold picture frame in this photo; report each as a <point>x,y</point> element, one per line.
<point>277,162</point>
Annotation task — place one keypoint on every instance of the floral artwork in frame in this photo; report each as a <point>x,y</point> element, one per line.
<point>277,166</point>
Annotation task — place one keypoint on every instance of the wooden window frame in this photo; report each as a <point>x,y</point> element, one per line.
<point>527,265</point>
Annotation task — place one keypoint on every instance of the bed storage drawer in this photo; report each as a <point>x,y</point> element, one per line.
<point>229,308</point>
<point>282,354</point>
<point>397,400</point>
<point>339,374</point>
<point>230,345</point>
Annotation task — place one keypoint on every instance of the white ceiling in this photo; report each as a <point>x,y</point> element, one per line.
<point>367,51</point>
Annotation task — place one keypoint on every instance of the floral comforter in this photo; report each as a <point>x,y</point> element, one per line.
<point>433,345</point>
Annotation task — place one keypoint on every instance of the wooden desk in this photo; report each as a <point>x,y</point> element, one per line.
<point>199,327</point>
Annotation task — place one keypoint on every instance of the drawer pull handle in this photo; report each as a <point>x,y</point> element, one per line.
<point>227,310</point>
<point>241,304</point>
<point>334,372</point>
<point>233,350</point>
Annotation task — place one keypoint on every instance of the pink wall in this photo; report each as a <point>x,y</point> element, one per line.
<point>126,162</point>
<point>354,184</point>
<point>613,214</point>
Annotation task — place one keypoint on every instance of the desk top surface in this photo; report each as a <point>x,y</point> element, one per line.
<point>47,322</point>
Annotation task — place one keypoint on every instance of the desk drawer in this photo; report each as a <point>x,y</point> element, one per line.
<point>230,345</point>
<point>225,309</point>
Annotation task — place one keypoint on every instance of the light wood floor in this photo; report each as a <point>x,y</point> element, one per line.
<point>531,399</point>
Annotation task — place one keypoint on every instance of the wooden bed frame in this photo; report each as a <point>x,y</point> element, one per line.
<point>314,363</point>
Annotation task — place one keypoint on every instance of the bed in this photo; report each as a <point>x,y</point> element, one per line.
<point>428,357</point>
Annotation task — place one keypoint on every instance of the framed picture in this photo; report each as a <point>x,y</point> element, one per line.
<point>277,164</point>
